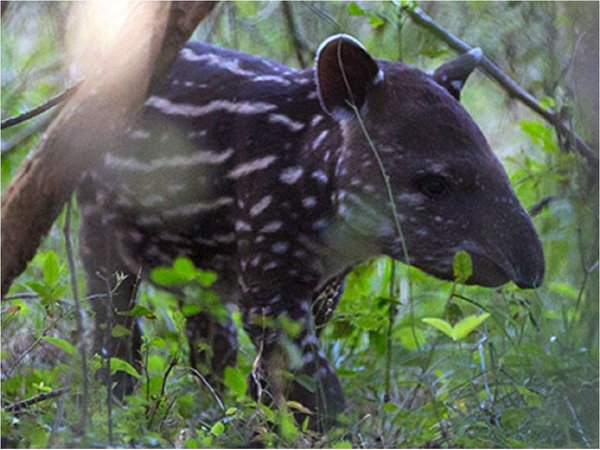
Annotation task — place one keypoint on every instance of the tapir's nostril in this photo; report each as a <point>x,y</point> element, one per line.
<point>531,275</point>
<point>531,282</point>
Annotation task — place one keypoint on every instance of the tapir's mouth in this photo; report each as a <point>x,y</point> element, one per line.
<point>485,272</point>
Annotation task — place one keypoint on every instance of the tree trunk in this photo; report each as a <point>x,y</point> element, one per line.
<point>100,110</point>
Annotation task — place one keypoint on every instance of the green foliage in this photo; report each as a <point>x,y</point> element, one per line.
<point>459,331</point>
<point>463,266</point>
<point>468,367</point>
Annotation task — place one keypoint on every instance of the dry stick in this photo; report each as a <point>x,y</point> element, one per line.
<point>64,95</point>
<point>24,404</point>
<point>79,319</point>
<point>509,85</point>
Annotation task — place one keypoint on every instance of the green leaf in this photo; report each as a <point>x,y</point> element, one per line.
<point>463,266</point>
<point>217,429</point>
<point>441,325</point>
<point>141,311</point>
<point>191,443</point>
<point>206,278</point>
<point>51,268</point>
<point>120,331</point>
<point>166,276</point>
<point>411,338</point>
<point>287,426</point>
<point>376,21</point>
<point>298,407</point>
<point>183,271</point>
<point>342,444</point>
<point>390,407</point>
<point>565,289</point>
<point>64,345</point>
<point>235,380</point>
<point>463,328</point>
<point>184,267</point>
<point>540,134</point>
<point>190,309</point>
<point>119,365</point>
<point>355,10</point>
<point>512,417</point>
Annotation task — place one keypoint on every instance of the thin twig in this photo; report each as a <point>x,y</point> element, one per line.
<point>509,85</point>
<point>22,296</point>
<point>58,415</point>
<point>390,342</point>
<point>208,386</point>
<point>20,138</point>
<point>79,319</point>
<point>24,404</point>
<point>34,344</point>
<point>578,425</point>
<point>57,99</point>
<point>291,24</point>
<point>163,390</point>
<point>484,369</point>
<point>107,354</point>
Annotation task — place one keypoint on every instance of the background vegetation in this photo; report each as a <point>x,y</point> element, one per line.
<point>416,371</point>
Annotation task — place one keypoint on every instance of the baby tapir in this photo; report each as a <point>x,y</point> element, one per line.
<point>281,180</point>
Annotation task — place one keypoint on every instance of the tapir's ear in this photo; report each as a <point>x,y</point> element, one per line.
<point>454,74</point>
<point>344,74</point>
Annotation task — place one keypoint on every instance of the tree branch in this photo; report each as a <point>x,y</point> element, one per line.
<point>24,404</point>
<point>100,111</point>
<point>64,95</point>
<point>510,86</point>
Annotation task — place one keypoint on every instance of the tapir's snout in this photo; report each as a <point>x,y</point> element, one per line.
<point>510,250</point>
<point>527,259</point>
<point>523,252</point>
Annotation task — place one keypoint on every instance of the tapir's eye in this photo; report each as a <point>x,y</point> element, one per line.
<point>434,186</point>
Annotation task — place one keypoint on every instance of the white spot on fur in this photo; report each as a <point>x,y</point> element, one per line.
<point>280,247</point>
<point>309,202</point>
<point>272,78</point>
<point>139,134</point>
<point>291,174</point>
<point>271,227</point>
<point>198,157</point>
<point>320,176</point>
<point>240,225</point>
<point>282,119</point>
<point>259,207</point>
<point>319,140</point>
<point>196,208</point>
<point>252,166</point>
<point>316,120</point>
<point>190,110</point>
<point>230,64</point>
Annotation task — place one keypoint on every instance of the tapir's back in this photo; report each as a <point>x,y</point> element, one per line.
<point>168,187</point>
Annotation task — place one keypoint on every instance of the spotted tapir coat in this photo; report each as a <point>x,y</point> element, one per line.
<point>274,179</point>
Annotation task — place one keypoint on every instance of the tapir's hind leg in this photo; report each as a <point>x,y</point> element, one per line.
<point>110,287</point>
<point>213,346</point>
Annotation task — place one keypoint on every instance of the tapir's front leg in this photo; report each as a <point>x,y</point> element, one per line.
<point>278,288</point>
<point>282,352</point>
